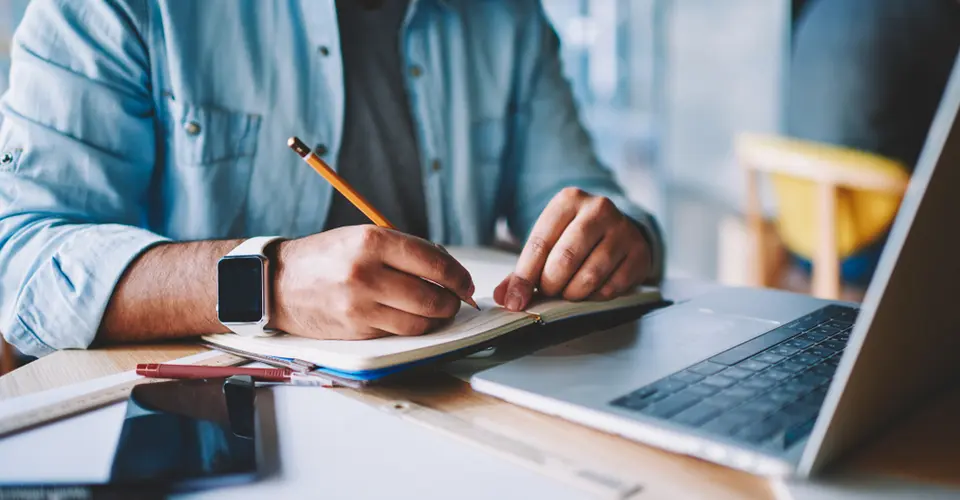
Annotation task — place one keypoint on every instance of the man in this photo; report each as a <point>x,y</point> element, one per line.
<point>144,140</point>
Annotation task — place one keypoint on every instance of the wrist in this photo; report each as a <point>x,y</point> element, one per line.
<point>276,254</point>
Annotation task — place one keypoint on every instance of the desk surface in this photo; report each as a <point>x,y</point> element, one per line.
<point>923,447</point>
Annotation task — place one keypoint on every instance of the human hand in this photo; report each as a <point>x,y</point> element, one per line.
<point>361,282</point>
<point>582,247</point>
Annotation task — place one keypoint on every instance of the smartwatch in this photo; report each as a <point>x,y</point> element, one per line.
<point>243,288</point>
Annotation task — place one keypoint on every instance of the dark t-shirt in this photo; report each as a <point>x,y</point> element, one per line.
<point>378,154</point>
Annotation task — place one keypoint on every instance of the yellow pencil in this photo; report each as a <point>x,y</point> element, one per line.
<point>344,188</point>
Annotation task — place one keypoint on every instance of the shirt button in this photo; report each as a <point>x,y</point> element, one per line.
<point>416,70</point>
<point>436,166</point>
<point>320,150</point>
<point>6,158</point>
<point>191,128</point>
<point>324,50</point>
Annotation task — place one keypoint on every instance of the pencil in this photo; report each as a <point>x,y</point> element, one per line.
<point>351,194</point>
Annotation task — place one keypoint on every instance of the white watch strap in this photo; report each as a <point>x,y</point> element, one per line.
<point>253,246</point>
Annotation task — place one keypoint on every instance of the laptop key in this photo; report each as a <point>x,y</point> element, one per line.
<point>758,382</point>
<point>814,336</point>
<point>794,388</point>
<point>797,432</point>
<point>723,402</point>
<point>784,350</point>
<point>820,351</point>
<point>814,398</point>
<point>668,385</point>
<point>728,423</point>
<point>739,392</point>
<point>700,390</point>
<point>706,368</point>
<point>638,403</point>
<point>775,374</point>
<point>824,369</point>
<point>719,381</point>
<point>782,397</point>
<point>804,358</point>
<point>790,366</point>
<point>736,373</point>
<point>752,365</point>
<point>759,432</point>
<point>769,357</point>
<point>760,407</point>
<point>801,410</point>
<point>749,348</point>
<point>696,415</point>
<point>834,345</point>
<point>688,377</point>
<point>799,343</point>
<point>643,392</point>
<point>826,329</point>
<point>671,405</point>
<point>812,379</point>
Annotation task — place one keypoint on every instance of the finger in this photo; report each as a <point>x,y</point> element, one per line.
<point>631,272</point>
<point>544,235</point>
<point>576,243</point>
<point>500,293</point>
<point>597,269</point>
<point>370,333</point>
<point>413,295</point>
<point>397,322</point>
<point>421,258</point>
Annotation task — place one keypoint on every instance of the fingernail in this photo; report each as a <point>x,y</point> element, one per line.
<point>514,300</point>
<point>471,290</point>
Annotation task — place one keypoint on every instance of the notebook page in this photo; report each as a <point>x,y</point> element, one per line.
<point>469,327</point>
<point>487,267</point>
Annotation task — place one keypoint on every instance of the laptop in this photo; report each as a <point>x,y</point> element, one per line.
<point>771,382</point>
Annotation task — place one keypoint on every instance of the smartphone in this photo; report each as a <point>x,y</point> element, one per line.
<point>189,435</point>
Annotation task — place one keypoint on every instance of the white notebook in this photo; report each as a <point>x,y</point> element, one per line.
<point>470,327</point>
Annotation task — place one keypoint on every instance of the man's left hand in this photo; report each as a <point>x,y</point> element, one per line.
<point>582,247</point>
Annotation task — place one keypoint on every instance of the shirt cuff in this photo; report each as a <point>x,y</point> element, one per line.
<point>62,303</point>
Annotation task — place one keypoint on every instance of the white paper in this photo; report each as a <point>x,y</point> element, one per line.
<point>330,446</point>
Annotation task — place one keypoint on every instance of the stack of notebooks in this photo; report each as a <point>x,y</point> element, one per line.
<point>362,361</point>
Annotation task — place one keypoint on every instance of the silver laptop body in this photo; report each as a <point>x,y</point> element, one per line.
<point>901,347</point>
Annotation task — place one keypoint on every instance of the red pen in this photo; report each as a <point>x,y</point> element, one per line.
<point>283,375</point>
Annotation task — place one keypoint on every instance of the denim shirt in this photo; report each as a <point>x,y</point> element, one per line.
<point>130,123</point>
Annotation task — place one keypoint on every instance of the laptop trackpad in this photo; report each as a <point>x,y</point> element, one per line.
<point>626,357</point>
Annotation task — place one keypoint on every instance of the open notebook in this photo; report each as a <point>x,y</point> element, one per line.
<point>469,327</point>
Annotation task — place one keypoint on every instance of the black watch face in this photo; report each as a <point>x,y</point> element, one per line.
<point>240,289</point>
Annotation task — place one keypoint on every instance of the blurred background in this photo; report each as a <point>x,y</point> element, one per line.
<point>670,88</point>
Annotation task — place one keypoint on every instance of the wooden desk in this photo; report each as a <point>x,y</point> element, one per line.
<point>923,448</point>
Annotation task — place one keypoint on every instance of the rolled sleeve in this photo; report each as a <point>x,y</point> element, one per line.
<point>551,149</point>
<point>62,303</point>
<point>78,145</point>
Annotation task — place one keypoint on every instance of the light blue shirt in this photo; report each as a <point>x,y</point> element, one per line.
<point>129,123</point>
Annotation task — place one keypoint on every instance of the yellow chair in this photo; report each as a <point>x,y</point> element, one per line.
<point>831,202</point>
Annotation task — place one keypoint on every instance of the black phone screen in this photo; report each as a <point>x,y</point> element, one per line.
<point>187,435</point>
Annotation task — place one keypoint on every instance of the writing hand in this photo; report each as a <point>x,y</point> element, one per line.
<point>362,282</point>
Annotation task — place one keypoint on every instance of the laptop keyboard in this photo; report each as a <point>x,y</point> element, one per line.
<point>766,391</point>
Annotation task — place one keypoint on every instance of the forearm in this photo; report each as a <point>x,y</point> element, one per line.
<point>170,291</point>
